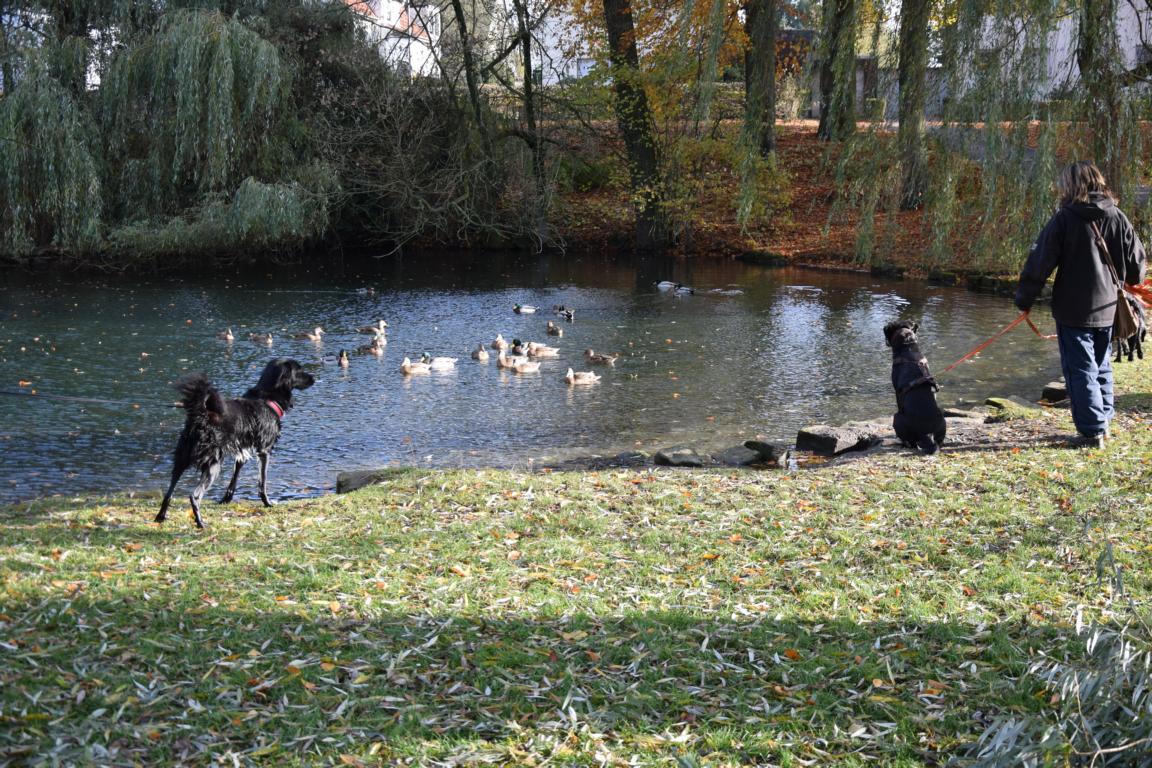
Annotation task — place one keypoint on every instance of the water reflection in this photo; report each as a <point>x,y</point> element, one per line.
<point>790,347</point>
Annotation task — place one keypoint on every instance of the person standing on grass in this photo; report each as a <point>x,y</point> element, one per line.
<point>1084,292</point>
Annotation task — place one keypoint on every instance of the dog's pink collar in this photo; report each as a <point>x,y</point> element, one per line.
<point>276,408</point>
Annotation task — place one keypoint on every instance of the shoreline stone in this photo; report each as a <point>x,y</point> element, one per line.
<point>678,456</point>
<point>833,441</point>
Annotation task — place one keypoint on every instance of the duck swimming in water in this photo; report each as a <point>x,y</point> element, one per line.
<point>480,353</point>
<point>313,335</point>
<point>226,335</point>
<point>438,363</point>
<point>261,338</point>
<point>379,329</point>
<point>599,358</point>
<point>408,368</point>
<point>581,377</point>
<point>524,309</point>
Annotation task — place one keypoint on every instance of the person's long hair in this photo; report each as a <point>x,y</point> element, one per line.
<point>1079,180</point>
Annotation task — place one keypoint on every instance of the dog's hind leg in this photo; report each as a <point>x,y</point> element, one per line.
<point>228,494</point>
<point>264,480</point>
<point>208,476</point>
<point>179,464</point>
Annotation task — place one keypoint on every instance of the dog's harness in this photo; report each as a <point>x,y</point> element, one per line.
<point>925,377</point>
<point>275,408</point>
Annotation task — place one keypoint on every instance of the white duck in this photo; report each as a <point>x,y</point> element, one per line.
<point>541,350</point>
<point>438,363</point>
<point>408,368</point>
<point>581,377</point>
<point>226,336</point>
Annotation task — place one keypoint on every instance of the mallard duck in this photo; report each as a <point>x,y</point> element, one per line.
<point>342,360</point>
<point>375,348</point>
<point>581,377</point>
<point>226,335</point>
<point>313,335</point>
<point>599,358</point>
<point>480,353</point>
<point>524,309</point>
<point>540,350</point>
<point>518,348</point>
<point>407,367</point>
<point>261,338</point>
<point>553,329</point>
<point>667,285</point>
<point>684,290</point>
<point>438,363</point>
<point>369,291</point>
<point>506,361</point>
<point>521,365</point>
<point>379,329</point>
<point>569,315</point>
<point>499,343</point>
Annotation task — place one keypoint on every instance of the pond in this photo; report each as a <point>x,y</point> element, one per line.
<point>754,351</point>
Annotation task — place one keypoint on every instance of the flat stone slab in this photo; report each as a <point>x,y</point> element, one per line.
<point>737,456</point>
<point>679,456</point>
<point>832,441</point>
<point>362,478</point>
<point>1012,407</point>
<point>1055,391</point>
<point>769,453</point>
<point>961,413</point>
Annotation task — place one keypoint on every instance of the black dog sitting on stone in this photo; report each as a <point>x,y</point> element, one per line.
<point>1134,344</point>
<point>918,422</point>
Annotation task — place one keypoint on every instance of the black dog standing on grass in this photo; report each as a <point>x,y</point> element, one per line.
<point>1134,344</point>
<point>241,427</point>
<point>918,422</point>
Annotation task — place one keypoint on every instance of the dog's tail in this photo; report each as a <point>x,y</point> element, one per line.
<point>928,445</point>
<point>200,397</point>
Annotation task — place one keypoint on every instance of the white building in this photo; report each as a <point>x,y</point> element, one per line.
<point>407,33</point>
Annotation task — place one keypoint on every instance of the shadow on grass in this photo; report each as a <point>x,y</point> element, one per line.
<point>162,685</point>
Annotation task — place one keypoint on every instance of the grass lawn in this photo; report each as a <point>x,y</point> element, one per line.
<point>880,610</point>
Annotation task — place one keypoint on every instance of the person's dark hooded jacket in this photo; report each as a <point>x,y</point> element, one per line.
<point>1084,293</point>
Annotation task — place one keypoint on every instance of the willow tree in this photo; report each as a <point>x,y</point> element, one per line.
<point>838,71</point>
<point>192,110</point>
<point>761,22</point>
<point>913,71</point>
<point>50,192</point>
<point>634,117</point>
<point>1099,60</point>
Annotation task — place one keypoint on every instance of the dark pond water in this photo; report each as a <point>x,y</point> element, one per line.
<point>781,349</point>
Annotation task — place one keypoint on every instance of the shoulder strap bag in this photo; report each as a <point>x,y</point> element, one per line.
<point>1125,325</point>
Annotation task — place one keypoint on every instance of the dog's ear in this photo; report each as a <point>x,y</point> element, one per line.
<point>915,327</point>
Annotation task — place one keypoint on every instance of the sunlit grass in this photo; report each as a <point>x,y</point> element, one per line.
<point>884,609</point>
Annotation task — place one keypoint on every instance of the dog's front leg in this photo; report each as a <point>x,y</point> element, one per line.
<point>264,480</point>
<point>207,476</point>
<point>228,494</point>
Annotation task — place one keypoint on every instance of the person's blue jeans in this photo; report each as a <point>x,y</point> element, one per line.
<point>1085,356</point>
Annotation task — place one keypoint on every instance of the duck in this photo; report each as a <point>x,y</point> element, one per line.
<point>438,363</point>
<point>342,360</point>
<point>480,353</point>
<point>408,368</point>
<point>378,329</point>
<point>499,343</point>
<point>261,338</point>
<point>599,358</point>
<point>684,290</point>
<point>581,377</point>
<point>226,335</point>
<point>521,365</point>
<point>313,335</point>
<point>541,350</point>
<point>524,309</point>
<point>518,348</point>
<point>667,285</point>
<point>506,361</point>
<point>369,291</point>
<point>375,348</point>
<point>553,329</point>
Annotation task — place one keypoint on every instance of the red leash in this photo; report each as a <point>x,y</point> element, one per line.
<point>984,345</point>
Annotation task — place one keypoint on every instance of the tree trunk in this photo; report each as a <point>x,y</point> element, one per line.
<point>838,71</point>
<point>470,76</point>
<point>913,75</point>
<point>634,117</point>
<point>524,31</point>
<point>1098,56</point>
<point>761,22</point>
